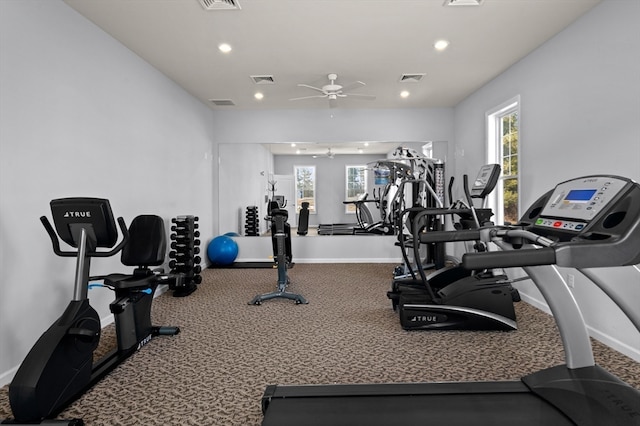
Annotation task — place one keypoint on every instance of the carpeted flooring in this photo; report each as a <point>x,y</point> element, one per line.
<point>215,371</point>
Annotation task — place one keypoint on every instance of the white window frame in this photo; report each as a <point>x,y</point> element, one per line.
<point>350,208</point>
<point>312,206</point>
<point>494,154</point>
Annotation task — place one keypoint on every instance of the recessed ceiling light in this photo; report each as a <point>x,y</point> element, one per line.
<point>441,45</point>
<point>293,144</point>
<point>258,96</point>
<point>224,48</point>
<point>404,94</point>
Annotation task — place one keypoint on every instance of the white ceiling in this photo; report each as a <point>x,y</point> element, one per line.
<point>301,41</point>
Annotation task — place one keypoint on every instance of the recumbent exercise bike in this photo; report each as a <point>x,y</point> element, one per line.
<point>59,368</point>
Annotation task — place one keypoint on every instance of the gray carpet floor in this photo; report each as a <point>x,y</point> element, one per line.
<point>215,371</point>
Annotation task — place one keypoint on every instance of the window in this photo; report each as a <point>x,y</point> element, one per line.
<point>356,186</point>
<point>305,177</point>
<point>503,125</point>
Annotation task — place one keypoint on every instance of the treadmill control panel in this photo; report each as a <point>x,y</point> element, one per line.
<point>575,203</point>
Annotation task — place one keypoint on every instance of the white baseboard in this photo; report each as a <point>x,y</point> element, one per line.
<point>604,338</point>
<point>7,376</point>
<point>340,260</point>
<point>615,344</point>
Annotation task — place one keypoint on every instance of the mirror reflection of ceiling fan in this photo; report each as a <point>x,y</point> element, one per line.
<point>329,154</point>
<point>333,91</point>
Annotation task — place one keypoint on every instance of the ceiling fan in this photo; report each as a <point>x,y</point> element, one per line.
<point>333,91</point>
<point>330,154</point>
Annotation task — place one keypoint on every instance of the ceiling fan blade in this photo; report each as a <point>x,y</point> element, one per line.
<point>311,87</point>
<point>360,96</point>
<point>352,85</point>
<point>308,97</point>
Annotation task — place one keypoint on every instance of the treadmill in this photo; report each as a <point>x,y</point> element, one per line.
<point>583,223</point>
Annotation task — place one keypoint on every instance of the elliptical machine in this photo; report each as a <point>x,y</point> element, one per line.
<point>281,242</point>
<point>454,298</point>
<point>59,368</point>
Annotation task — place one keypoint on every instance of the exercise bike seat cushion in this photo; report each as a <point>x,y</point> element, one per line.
<point>146,247</point>
<point>124,281</point>
<point>147,242</point>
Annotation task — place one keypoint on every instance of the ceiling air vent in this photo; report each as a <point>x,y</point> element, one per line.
<point>463,2</point>
<point>412,78</point>
<point>263,79</point>
<point>222,102</point>
<point>219,4</point>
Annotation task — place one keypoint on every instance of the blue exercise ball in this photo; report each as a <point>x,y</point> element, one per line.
<point>222,250</point>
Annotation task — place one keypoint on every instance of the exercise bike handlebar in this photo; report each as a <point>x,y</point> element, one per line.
<point>56,243</point>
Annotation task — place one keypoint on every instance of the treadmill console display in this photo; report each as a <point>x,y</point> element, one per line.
<point>575,203</point>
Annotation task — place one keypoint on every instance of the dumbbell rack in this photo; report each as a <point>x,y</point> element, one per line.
<point>251,224</point>
<point>185,261</point>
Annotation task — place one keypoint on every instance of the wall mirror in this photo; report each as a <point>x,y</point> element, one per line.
<point>250,174</point>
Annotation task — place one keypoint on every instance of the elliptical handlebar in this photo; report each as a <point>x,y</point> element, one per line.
<point>509,259</point>
<point>56,243</point>
<point>467,194</point>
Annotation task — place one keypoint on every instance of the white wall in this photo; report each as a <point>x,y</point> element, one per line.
<point>580,115</point>
<point>243,175</point>
<point>81,115</point>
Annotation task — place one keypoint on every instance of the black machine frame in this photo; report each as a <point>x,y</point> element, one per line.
<point>452,297</point>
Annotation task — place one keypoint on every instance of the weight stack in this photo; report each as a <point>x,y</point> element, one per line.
<point>185,262</point>
<point>251,223</point>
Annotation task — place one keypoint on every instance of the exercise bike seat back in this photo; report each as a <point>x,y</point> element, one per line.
<point>145,248</point>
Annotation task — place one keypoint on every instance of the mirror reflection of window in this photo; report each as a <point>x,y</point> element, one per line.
<point>356,186</point>
<point>305,177</point>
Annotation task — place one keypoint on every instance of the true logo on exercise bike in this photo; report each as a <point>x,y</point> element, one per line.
<point>144,342</point>
<point>77,214</point>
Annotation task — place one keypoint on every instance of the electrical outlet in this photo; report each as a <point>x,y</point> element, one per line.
<point>571,280</point>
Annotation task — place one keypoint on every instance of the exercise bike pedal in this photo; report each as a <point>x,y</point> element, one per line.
<point>165,331</point>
